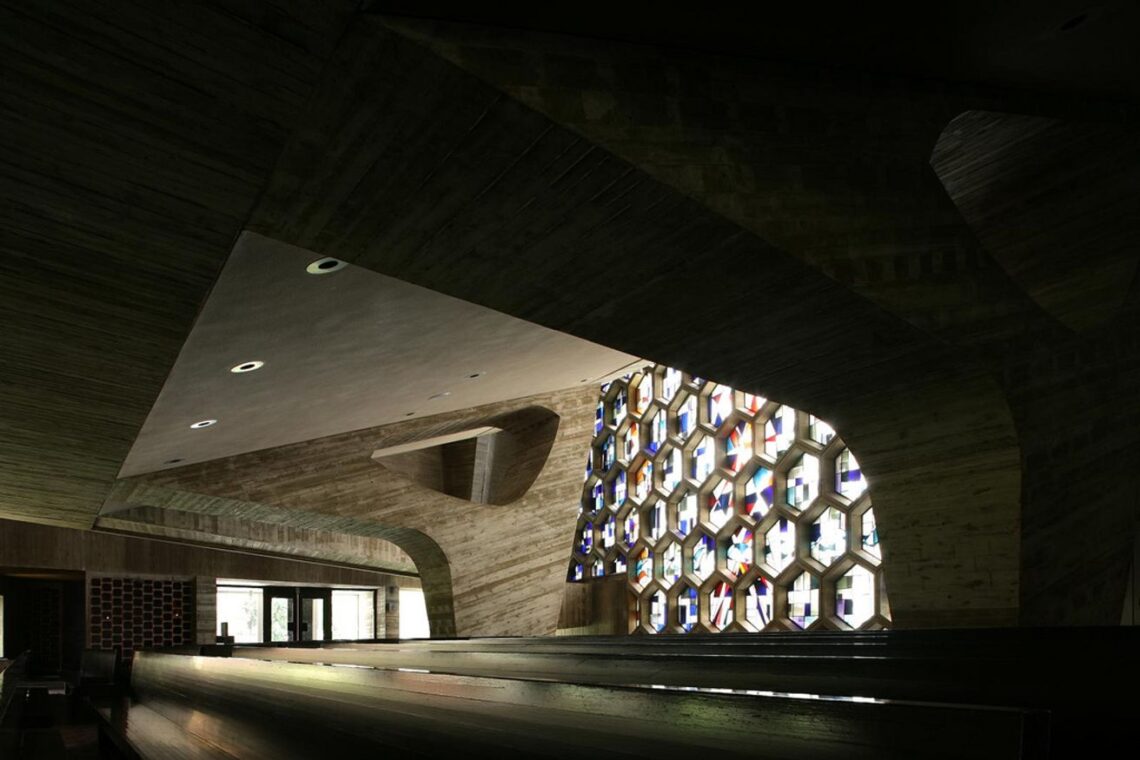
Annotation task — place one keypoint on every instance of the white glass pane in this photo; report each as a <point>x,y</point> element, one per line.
<point>413,614</point>
<point>241,608</point>
<point>353,614</point>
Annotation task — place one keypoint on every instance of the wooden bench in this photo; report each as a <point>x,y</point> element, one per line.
<point>239,707</point>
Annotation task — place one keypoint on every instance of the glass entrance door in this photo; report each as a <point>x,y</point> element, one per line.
<point>280,615</point>
<point>315,614</point>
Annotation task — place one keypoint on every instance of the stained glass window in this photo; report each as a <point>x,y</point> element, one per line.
<point>609,532</point>
<point>819,431</point>
<point>653,445</point>
<point>803,482</point>
<point>620,405</point>
<point>586,538</point>
<point>670,384</point>
<point>686,513</point>
<point>738,446</point>
<point>599,568</point>
<point>671,565</point>
<point>658,523</point>
<point>704,458</point>
<point>760,598</point>
<point>670,469</point>
<point>657,611</point>
<point>689,612</point>
<point>658,432</point>
<point>643,482</point>
<point>849,479</point>
<point>644,393</point>
<point>870,534</point>
<point>759,493</point>
<point>619,489</point>
<point>687,417</point>
<point>828,541</point>
<point>779,432</point>
<point>609,453</point>
<point>631,442</point>
<point>720,504</point>
<point>632,528</point>
<point>752,403</point>
<point>720,404</point>
<point>780,545</point>
<point>720,606</point>
<point>803,600</point>
<point>855,596</point>
<point>643,567</point>
<point>704,557</point>
<point>739,553</point>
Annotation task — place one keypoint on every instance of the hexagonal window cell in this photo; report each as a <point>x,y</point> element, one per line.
<point>802,483</point>
<point>779,432</point>
<point>609,532</point>
<point>658,611</point>
<point>589,465</point>
<point>643,481</point>
<point>594,496</point>
<point>575,572</point>
<point>656,522</point>
<point>670,384</point>
<point>642,570</point>
<point>658,431</point>
<point>869,534</point>
<point>598,568</point>
<point>616,564</point>
<point>686,416</point>
<point>631,528</point>
<point>671,469</point>
<point>671,564</point>
<point>702,462</point>
<point>630,442</point>
<point>780,545</point>
<point>618,490</point>
<point>759,602</point>
<point>618,405</point>
<point>688,608</point>
<point>585,540</point>
<point>720,404</point>
<point>738,446</point>
<point>819,431</point>
<point>849,480</point>
<point>720,504</point>
<point>599,417</point>
<point>644,394</point>
<point>738,551</point>
<point>686,508</point>
<point>803,600</point>
<point>703,560</point>
<point>609,453</point>
<point>828,536</point>
<point>759,492</point>
<point>855,596</point>
<point>721,605</point>
<point>750,403</point>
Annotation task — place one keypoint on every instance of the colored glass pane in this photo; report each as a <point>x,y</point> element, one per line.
<point>657,611</point>
<point>720,404</point>
<point>704,558</point>
<point>658,432</point>
<point>687,417</point>
<point>780,544</point>
<point>643,567</point>
<point>670,384</point>
<point>609,453</point>
<point>720,606</point>
<point>855,596</point>
<point>849,480</point>
<point>586,537</point>
<point>779,432</point>
<point>643,481</point>
<point>704,459</point>
<point>644,393</point>
<point>759,493</point>
<point>657,521</point>
<point>803,482</point>
<point>631,442</point>
<point>686,514</point>
<point>720,504</point>
<point>828,536</point>
<point>738,446</point>
<point>803,600</point>
<point>670,565</point>
<point>609,532</point>
<point>739,553</point>
<point>869,534</point>
<point>760,596</point>
<point>632,529</point>
<point>688,611</point>
<point>819,431</point>
<point>670,470</point>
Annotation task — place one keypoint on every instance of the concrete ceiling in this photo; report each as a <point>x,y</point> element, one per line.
<point>343,351</point>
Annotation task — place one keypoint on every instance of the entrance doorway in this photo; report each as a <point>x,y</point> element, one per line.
<point>297,614</point>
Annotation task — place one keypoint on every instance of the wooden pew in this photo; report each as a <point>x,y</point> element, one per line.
<point>258,708</point>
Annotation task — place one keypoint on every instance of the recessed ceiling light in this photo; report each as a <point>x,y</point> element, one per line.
<point>474,375</point>
<point>409,414</point>
<point>172,461</point>
<point>247,367</point>
<point>326,266</point>
<point>203,424</point>
<point>435,396</point>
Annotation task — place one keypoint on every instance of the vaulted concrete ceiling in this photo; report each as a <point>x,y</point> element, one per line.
<point>139,142</point>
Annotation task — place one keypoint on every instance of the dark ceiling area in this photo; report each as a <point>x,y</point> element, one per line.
<point>1072,47</point>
